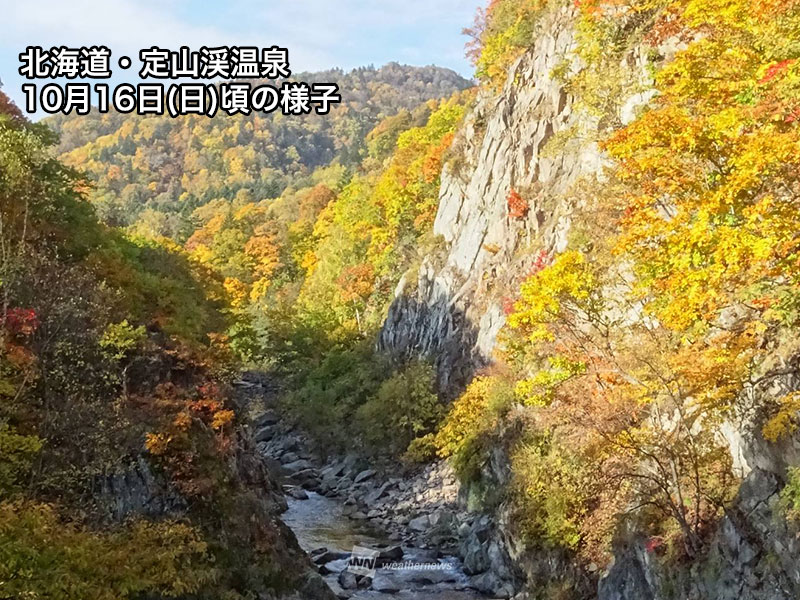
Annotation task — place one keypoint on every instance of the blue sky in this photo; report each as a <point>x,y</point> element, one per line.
<point>318,33</point>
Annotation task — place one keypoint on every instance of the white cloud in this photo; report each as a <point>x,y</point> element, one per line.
<point>124,25</point>
<point>319,33</point>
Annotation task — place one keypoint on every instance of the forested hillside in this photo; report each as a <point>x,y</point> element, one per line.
<point>155,172</point>
<point>123,472</point>
<point>577,285</point>
<point>126,471</point>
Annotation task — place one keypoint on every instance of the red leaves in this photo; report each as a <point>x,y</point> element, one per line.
<point>653,544</point>
<point>540,262</point>
<point>21,321</point>
<point>518,207</point>
<point>777,69</point>
<point>508,306</point>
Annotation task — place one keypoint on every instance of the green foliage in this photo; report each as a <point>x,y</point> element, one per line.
<point>790,494</point>
<point>17,453</point>
<point>121,338</point>
<point>551,486</point>
<point>43,557</point>
<point>421,449</point>
<point>68,421</point>
<point>328,394</point>
<point>404,408</point>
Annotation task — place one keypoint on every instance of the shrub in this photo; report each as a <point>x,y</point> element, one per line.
<point>550,491</point>
<point>404,408</point>
<point>328,393</point>
<point>421,449</point>
<point>790,495</point>
<point>471,421</point>
<point>119,339</point>
<point>42,557</point>
<point>500,34</point>
<point>518,207</point>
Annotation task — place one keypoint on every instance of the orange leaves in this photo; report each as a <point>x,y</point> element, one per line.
<point>314,201</point>
<point>356,282</point>
<point>432,163</point>
<point>518,207</point>
<point>196,431</point>
<point>264,250</point>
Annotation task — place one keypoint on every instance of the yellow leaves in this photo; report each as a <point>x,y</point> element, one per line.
<point>182,421</point>
<point>221,419</point>
<point>259,289</point>
<point>119,339</point>
<point>568,279</point>
<point>476,412</point>
<point>237,292</point>
<point>641,360</point>
<point>787,419</point>
<point>263,249</point>
<point>704,168</point>
<point>157,444</point>
<point>501,34</point>
<point>362,236</point>
<point>713,372</point>
<point>541,387</point>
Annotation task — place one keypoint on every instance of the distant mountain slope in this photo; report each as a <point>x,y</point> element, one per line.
<point>161,169</point>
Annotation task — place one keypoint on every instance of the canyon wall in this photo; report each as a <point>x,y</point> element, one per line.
<point>534,137</point>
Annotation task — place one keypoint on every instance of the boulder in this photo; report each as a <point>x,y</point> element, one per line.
<point>297,465</point>
<point>268,419</point>
<point>391,553</point>
<point>314,586</point>
<point>297,493</point>
<point>348,580</point>
<point>264,434</point>
<point>364,475</point>
<point>376,494</point>
<point>329,556</point>
<point>489,583</point>
<point>421,523</point>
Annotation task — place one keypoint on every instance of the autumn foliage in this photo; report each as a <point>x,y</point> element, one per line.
<point>631,351</point>
<point>518,207</point>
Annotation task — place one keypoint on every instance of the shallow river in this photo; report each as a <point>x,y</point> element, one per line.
<point>319,523</point>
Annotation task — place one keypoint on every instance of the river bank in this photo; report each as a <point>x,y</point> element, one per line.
<point>429,545</point>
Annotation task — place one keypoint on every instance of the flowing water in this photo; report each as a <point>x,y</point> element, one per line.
<point>318,522</point>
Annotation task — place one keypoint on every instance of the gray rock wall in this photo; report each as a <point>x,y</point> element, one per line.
<point>453,312</point>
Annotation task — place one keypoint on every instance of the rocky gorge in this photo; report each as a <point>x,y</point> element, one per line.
<point>535,135</point>
<point>418,517</point>
<point>527,337</point>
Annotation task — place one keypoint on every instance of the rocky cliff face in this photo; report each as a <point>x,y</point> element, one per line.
<point>453,310</point>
